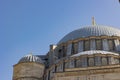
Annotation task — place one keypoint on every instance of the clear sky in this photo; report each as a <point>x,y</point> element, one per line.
<point>32,25</point>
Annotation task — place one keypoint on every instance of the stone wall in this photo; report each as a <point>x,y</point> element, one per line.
<point>28,71</point>
<point>94,73</point>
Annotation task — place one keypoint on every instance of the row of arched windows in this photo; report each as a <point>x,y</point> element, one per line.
<point>84,62</point>
<point>91,61</point>
<point>85,45</point>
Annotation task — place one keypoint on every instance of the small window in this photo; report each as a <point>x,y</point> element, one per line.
<point>86,45</point>
<point>99,44</point>
<point>111,60</point>
<point>60,67</point>
<point>84,61</point>
<point>64,51</point>
<point>60,54</point>
<point>104,61</point>
<point>69,49</point>
<point>75,48</point>
<point>66,65</point>
<point>71,64</point>
<point>116,61</point>
<point>91,61</point>
<point>97,60</point>
<point>78,63</point>
<point>111,44</point>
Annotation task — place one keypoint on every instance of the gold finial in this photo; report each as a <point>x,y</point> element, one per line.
<point>93,21</point>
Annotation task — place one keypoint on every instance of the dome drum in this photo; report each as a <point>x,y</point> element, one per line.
<point>105,44</point>
<point>88,59</point>
<point>28,71</point>
<point>85,60</point>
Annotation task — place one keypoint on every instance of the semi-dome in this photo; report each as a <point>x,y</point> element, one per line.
<point>93,30</point>
<point>94,52</point>
<point>30,58</point>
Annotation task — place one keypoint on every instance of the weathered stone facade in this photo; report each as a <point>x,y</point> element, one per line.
<point>28,71</point>
<point>92,73</point>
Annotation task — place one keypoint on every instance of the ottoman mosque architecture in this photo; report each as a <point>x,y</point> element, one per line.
<point>89,53</point>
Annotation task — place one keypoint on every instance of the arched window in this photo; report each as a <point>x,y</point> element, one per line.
<point>60,67</point>
<point>97,60</point>
<point>78,63</point>
<point>86,45</point>
<point>111,60</point>
<point>104,61</point>
<point>91,61</point>
<point>116,61</point>
<point>84,61</point>
<point>69,49</point>
<point>80,46</point>
<point>71,64</point>
<point>75,48</point>
<point>64,51</point>
<point>98,44</point>
<point>111,44</point>
<point>60,54</point>
<point>66,65</point>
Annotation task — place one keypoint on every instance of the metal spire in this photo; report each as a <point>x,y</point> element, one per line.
<point>93,21</point>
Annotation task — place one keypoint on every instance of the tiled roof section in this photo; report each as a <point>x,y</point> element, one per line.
<point>30,58</point>
<point>93,30</point>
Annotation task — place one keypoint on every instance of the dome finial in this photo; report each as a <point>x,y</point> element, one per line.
<point>93,21</point>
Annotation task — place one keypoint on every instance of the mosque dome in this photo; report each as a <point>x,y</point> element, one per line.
<point>30,58</point>
<point>93,30</point>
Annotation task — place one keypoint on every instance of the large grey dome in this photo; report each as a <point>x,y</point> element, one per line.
<point>30,58</point>
<point>93,30</point>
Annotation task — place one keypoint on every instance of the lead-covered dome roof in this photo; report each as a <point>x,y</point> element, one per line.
<point>93,30</point>
<point>30,58</point>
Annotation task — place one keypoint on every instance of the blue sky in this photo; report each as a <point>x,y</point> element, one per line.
<point>32,25</point>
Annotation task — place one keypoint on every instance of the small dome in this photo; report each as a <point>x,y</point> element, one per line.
<point>93,30</point>
<point>30,58</point>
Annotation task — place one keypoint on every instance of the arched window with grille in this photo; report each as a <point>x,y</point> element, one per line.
<point>104,61</point>
<point>75,48</point>
<point>97,60</point>
<point>91,61</point>
<point>116,60</point>
<point>98,44</point>
<point>86,45</point>
<point>66,64</point>
<point>78,63</point>
<point>111,44</point>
